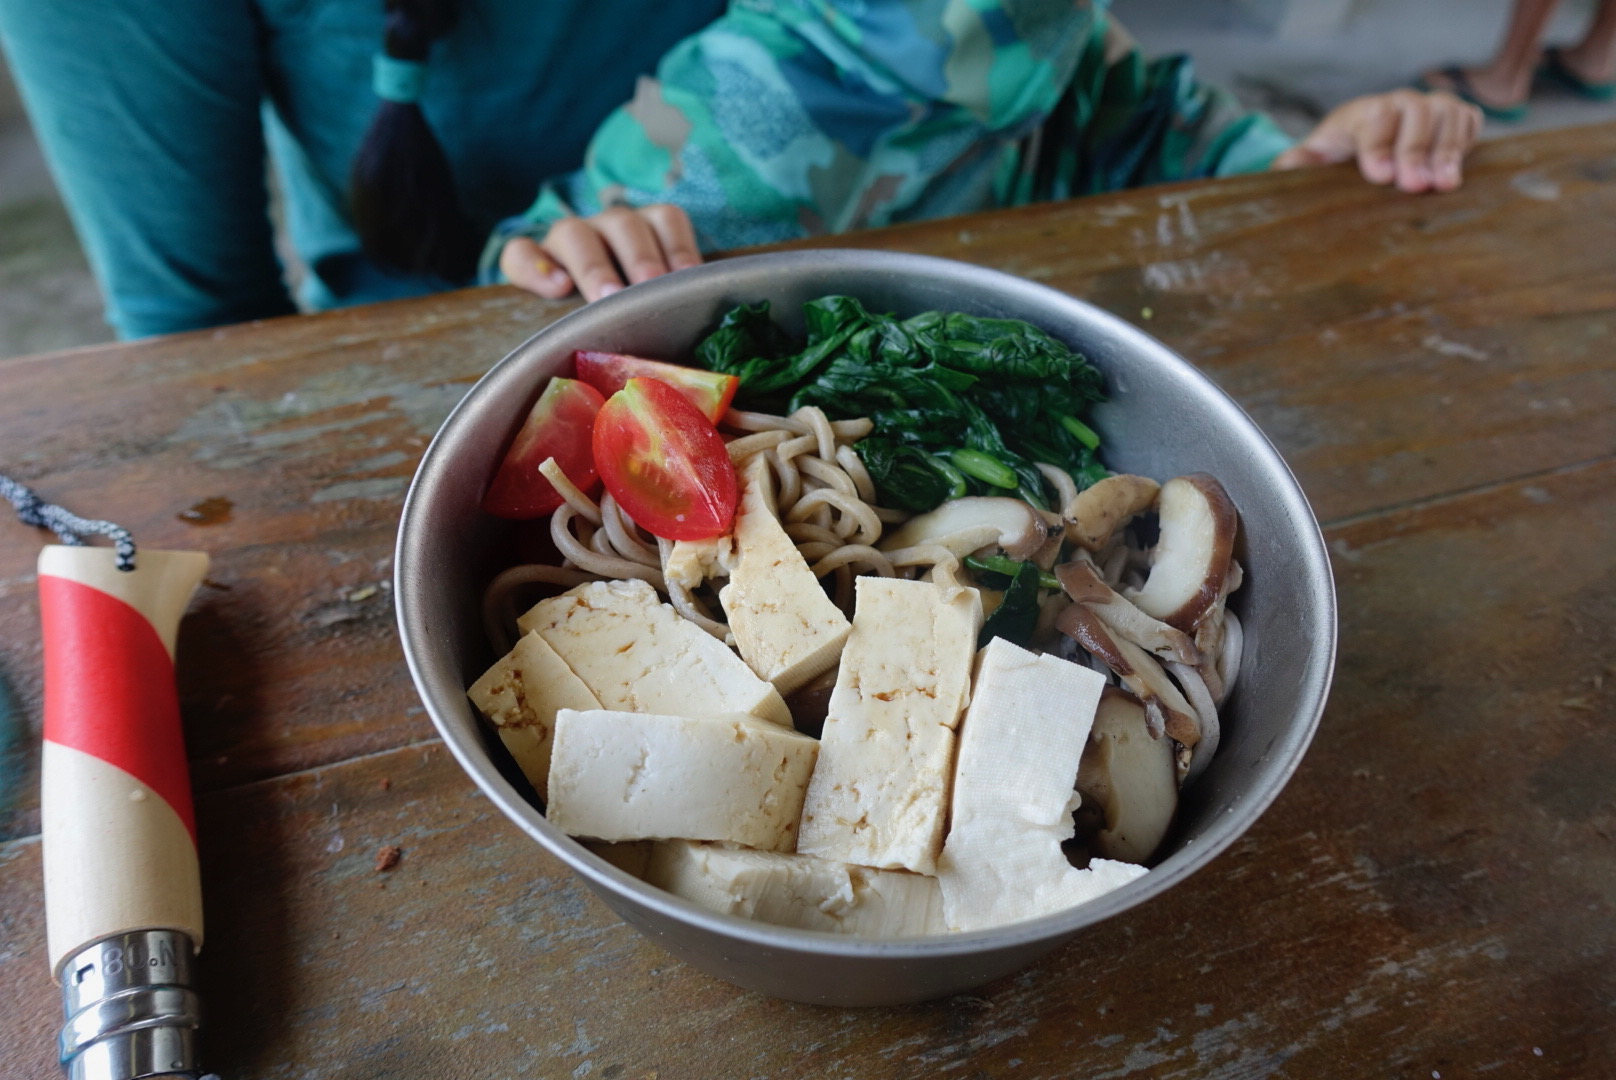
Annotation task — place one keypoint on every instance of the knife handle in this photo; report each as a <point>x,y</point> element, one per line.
<point>118,831</point>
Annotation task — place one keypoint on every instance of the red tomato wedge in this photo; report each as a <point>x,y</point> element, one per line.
<point>664,462</point>
<point>610,372</point>
<point>559,426</point>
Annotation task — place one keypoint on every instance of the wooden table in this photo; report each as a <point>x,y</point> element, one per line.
<point>1434,894</point>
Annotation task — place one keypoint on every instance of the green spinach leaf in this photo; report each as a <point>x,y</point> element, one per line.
<point>1017,615</point>
<point>907,476</point>
<point>932,384</point>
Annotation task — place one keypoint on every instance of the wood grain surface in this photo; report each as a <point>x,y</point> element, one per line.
<point>1431,896</point>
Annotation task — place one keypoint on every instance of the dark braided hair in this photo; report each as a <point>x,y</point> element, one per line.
<point>402,191</point>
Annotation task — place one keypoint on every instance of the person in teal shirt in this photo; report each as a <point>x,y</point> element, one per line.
<point>588,145</point>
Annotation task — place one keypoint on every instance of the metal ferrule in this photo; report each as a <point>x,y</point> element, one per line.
<point>130,1008</point>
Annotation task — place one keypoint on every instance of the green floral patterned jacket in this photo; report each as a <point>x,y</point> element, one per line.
<point>791,118</point>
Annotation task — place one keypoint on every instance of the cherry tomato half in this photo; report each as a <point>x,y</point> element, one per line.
<point>708,391</point>
<point>664,462</point>
<point>559,426</point>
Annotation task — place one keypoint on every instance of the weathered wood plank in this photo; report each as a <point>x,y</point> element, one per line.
<point>1432,893</point>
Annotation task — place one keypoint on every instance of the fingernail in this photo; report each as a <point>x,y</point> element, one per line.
<point>544,266</point>
<point>609,288</point>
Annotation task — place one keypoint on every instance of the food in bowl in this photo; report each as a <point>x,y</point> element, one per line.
<point>944,446</point>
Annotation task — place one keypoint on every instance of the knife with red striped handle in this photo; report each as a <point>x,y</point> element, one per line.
<point>123,896</point>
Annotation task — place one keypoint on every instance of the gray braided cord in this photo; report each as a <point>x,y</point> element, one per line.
<point>68,526</point>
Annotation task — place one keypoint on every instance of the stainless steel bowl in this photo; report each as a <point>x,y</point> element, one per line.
<point>1164,418</point>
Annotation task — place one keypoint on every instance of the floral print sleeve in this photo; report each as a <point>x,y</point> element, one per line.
<point>791,118</point>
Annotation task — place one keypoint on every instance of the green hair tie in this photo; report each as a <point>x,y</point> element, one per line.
<point>397,80</point>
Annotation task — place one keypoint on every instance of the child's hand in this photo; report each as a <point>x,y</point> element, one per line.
<point>596,253</point>
<point>1414,139</point>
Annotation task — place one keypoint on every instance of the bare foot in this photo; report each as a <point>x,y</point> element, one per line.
<point>1490,86</point>
<point>1591,65</point>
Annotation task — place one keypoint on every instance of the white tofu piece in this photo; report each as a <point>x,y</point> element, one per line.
<point>879,795</point>
<point>786,628</point>
<point>798,890</point>
<point>691,562</point>
<point>1019,749</point>
<point>637,654</point>
<point>521,694</point>
<point>639,776</point>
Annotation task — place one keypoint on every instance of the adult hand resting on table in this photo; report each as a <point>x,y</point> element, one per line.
<point>596,253</point>
<point>1416,140</point>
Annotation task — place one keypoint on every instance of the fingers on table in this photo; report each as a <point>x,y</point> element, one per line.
<point>675,233</point>
<point>650,241</point>
<point>1377,140</point>
<point>582,251</point>
<point>525,264</point>
<point>602,253</point>
<point>1416,132</point>
<point>1417,141</point>
<point>1458,125</point>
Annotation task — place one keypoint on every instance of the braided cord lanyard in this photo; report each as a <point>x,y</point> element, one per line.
<point>69,527</point>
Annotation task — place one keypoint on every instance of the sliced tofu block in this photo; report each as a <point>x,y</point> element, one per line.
<point>639,776</point>
<point>637,654</point>
<point>691,562</point>
<point>798,890</point>
<point>879,795</point>
<point>521,694</point>
<point>1019,750</point>
<point>787,629</point>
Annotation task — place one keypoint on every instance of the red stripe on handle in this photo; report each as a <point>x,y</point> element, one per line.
<point>109,689</point>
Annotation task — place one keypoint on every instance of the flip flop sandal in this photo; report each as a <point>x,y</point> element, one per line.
<point>1554,69</point>
<point>1460,87</point>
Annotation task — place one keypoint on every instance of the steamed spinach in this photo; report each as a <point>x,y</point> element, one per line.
<point>907,477</point>
<point>1003,391</point>
<point>1017,614</point>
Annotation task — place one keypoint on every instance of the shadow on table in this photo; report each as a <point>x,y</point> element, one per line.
<point>248,871</point>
